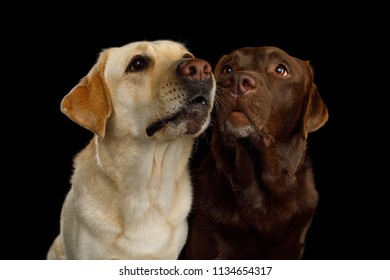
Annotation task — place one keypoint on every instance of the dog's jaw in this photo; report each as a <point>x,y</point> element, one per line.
<point>191,120</point>
<point>189,115</point>
<point>238,125</point>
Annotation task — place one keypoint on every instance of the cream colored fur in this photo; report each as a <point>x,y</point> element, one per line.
<point>131,193</point>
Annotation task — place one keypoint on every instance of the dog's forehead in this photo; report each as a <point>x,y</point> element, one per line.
<point>259,56</point>
<point>161,49</point>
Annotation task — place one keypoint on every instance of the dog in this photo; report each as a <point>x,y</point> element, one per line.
<point>254,192</point>
<point>131,192</point>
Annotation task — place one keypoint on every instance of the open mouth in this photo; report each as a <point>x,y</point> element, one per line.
<point>193,112</point>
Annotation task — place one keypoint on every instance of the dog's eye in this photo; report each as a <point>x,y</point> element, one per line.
<point>226,70</point>
<point>281,70</point>
<point>138,63</point>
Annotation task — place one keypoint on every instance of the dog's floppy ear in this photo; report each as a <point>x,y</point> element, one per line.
<point>316,114</point>
<point>88,103</point>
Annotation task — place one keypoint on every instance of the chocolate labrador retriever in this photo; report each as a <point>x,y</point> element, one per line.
<point>255,195</point>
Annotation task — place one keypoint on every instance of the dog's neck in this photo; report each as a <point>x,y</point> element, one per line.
<point>248,161</point>
<point>152,162</point>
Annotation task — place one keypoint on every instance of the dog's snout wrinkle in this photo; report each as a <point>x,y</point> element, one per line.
<point>195,69</point>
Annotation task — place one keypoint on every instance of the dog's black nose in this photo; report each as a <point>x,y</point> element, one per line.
<point>195,69</point>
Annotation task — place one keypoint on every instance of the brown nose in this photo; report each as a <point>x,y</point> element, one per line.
<point>195,69</point>
<point>240,83</point>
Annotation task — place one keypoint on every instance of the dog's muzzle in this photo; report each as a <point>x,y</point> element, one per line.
<point>198,86</point>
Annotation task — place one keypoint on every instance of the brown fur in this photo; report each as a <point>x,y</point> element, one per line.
<point>255,195</point>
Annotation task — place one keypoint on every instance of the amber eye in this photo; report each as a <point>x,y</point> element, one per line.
<point>226,70</point>
<point>281,70</point>
<point>138,63</point>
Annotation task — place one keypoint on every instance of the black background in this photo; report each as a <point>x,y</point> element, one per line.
<point>45,54</point>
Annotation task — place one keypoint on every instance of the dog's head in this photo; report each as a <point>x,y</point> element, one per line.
<point>146,89</point>
<point>265,94</point>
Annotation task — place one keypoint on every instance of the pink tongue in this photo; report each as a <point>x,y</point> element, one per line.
<point>238,119</point>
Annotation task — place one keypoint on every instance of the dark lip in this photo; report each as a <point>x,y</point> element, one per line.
<point>160,124</point>
<point>235,109</point>
<point>239,111</point>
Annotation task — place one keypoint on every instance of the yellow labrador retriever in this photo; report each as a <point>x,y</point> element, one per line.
<point>131,191</point>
